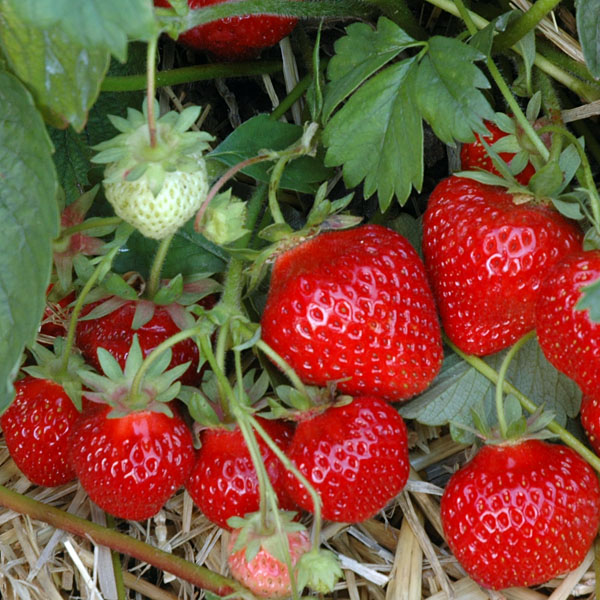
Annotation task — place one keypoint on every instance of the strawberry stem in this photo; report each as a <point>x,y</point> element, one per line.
<point>568,438</point>
<point>151,88</point>
<point>105,536</point>
<point>94,223</point>
<point>500,383</point>
<point>157,265</point>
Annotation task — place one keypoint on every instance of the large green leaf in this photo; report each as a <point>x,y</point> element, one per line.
<point>104,25</point>
<point>29,215</point>
<point>378,136</point>
<point>588,28</point>
<point>261,132</point>
<point>63,75</point>
<point>358,55</point>
<point>447,90</point>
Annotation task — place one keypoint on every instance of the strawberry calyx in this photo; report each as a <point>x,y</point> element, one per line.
<point>319,570</point>
<point>123,390</point>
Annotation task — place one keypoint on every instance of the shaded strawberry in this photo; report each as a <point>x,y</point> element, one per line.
<point>569,338</point>
<point>223,481</point>
<point>486,256</point>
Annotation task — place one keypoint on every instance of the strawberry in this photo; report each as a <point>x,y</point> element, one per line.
<point>355,455</point>
<point>37,426</point>
<point>486,257</point>
<point>235,38</point>
<point>264,572</point>
<point>114,332</point>
<point>474,155</point>
<point>156,188</point>
<point>56,314</point>
<point>569,338</point>
<point>590,420</point>
<point>223,481</point>
<point>354,307</point>
<point>521,513</point>
<point>131,465</point>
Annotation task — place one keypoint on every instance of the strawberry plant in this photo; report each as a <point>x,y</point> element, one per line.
<point>271,270</point>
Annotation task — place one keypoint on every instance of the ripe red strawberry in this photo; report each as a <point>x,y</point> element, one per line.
<point>486,257</point>
<point>265,575</point>
<point>223,481</point>
<point>590,420</point>
<point>131,465</point>
<point>114,333</point>
<point>569,338</point>
<point>474,155</point>
<point>36,427</point>
<point>236,38</point>
<point>354,306</point>
<point>355,455</point>
<point>521,513</point>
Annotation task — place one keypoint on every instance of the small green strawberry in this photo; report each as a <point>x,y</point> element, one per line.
<point>156,188</point>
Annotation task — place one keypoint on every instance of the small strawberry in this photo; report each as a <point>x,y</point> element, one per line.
<point>355,455</point>
<point>521,513</point>
<point>257,558</point>
<point>474,155</point>
<point>133,454</point>
<point>569,338</point>
<point>235,38</point>
<point>354,307</point>
<point>590,420</point>
<point>112,328</point>
<point>486,256</point>
<point>155,188</point>
<point>37,426</point>
<point>223,481</point>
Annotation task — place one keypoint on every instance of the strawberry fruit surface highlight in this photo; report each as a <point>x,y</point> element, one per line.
<point>521,513</point>
<point>354,307</point>
<point>486,258</point>
<point>355,455</point>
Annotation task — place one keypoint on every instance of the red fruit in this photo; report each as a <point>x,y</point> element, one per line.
<point>37,426</point>
<point>130,466</point>
<point>235,38</point>
<point>486,258</point>
<point>569,338</point>
<point>521,513</point>
<point>590,420</point>
<point>266,576</point>
<point>354,455</point>
<point>223,481</point>
<point>475,156</point>
<point>56,315</point>
<point>113,332</point>
<point>355,307</point>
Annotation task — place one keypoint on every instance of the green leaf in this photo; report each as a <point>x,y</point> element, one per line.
<point>103,25</point>
<point>590,300</point>
<point>547,180</point>
<point>378,136</point>
<point>447,90</point>
<point>29,213</point>
<point>63,76</point>
<point>409,227</point>
<point>304,174</point>
<point>358,55</point>
<point>588,28</point>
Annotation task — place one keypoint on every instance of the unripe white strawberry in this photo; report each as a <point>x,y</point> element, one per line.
<point>158,216</point>
<point>156,187</point>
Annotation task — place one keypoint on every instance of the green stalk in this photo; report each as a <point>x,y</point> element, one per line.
<point>94,223</point>
<point>284,366</point>
<point>521,26</point>
<point>568,438</point>
<point>274,186</point>
<point>133,83</point>
<point>500,383</point>
<point>104,536</point>
<point>157,265</point>
<point>151,89</point>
